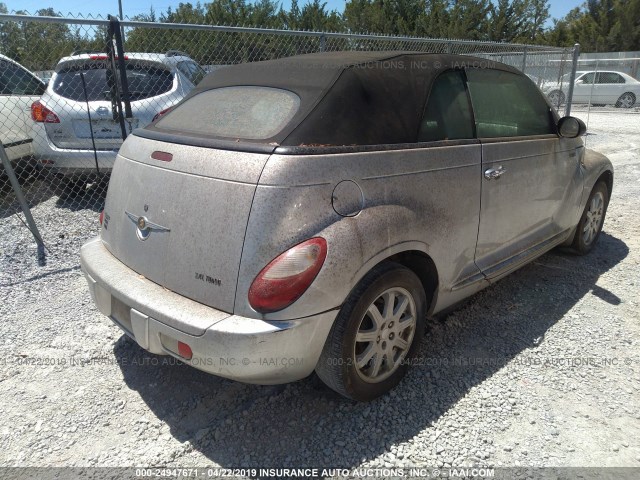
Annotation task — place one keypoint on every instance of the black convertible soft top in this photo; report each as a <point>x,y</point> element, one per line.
<point>346,98</point>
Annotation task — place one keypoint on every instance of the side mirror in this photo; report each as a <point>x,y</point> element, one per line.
<point>579,81</point>
<point>571,127</point>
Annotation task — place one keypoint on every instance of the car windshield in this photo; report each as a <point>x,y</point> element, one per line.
<point>144,81</point>
<point>243,112</point>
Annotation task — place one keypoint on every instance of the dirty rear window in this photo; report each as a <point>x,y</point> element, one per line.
<point>145,81</point>
<point>242,112</point>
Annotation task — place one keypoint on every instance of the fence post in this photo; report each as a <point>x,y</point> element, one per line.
<point>574,69</point>
<point>449,48</point>
<point>114,33</point>
<point>323,42</point>
<point>31,224</point>
<point>524,59</point>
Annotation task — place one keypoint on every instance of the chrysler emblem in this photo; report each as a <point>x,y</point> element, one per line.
<point>144,226</point>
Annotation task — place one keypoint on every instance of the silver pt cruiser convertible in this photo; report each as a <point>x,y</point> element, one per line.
<point>310,213</point>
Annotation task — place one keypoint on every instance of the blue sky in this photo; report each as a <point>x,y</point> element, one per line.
<point>558,8</point>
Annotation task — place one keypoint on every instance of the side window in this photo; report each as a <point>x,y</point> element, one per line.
<point>447,115</point>
<point>588,78</point>
<point>610,77</point>
<point>506,104</point>
<point>14,80</point>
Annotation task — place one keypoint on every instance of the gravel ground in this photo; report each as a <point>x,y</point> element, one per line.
<point>541,369</point>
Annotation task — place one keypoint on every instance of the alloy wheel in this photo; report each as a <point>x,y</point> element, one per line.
<point>626,100</point>
<point>593,221</point>
<point>384,335</point>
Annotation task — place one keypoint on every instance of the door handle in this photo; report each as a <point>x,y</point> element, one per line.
<point>492,173</point>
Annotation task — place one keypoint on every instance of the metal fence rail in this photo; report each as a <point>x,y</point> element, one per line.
<point>62,139</point>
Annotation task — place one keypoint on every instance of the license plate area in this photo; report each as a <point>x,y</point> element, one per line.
<point>104,128</point>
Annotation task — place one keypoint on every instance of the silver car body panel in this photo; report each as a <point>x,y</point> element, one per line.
<point>535,199</point>
<point>407,200</point>
<point>201,197</point>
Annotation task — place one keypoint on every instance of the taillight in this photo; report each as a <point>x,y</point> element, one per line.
<point>41,114</point>
<point>101,217</point>
<point>105,57</point>
<point>161,113</point>
<point>184,350</point>
<point>288,276</point>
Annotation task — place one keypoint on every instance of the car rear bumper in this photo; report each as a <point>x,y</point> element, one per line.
<point>69,161</point>
<point>245,349</point>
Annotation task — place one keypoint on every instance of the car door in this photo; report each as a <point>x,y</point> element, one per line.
<point>18,90</point>
<point>448,120</point>
<point>530,178</point>
<point>583,88</point>
<point>608,87</point>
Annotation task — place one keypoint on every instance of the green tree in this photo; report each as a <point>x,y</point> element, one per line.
<point>36,45</point>
<point>600,26</point>
<point>469,19</point>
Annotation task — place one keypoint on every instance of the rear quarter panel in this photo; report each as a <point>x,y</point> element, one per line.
<point>416,199</point>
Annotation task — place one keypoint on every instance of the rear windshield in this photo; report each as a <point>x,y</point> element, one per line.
<point>246,112</point>
<point>144,81</point>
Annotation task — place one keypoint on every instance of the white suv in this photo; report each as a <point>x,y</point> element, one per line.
<point>19,88</point>
<point>74,116</point>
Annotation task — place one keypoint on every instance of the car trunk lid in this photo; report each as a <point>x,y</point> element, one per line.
<point>177,215</point>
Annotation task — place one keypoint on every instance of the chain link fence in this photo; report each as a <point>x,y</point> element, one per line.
<point>69,98</point>
<point>607,82</point>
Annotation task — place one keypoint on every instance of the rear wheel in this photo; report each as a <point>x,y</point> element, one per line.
<point>377,330</point>
<point>626,100</point>
<point>590,225</point>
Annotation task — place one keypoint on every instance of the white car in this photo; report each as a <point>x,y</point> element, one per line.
<point>19,88</point>
<point>596,88</point>
<point>75,113</point>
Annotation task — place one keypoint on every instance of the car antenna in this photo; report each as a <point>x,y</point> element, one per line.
<point>93,141</point>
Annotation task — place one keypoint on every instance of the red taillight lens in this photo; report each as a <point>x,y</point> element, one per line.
<point>105,57</point>
<point>288,276</point>
<point>101,217</point>
<point>161,113</point>
<point>41,114</point>
<point>184,351</point>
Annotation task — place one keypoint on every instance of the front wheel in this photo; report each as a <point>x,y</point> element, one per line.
<point>377,331</point>
<point>590,225</point>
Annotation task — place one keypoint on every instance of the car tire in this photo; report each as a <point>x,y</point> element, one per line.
<point>556,97</point>
<point>369,347</point>
<point>626,100</point>
<point>590,225</point>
